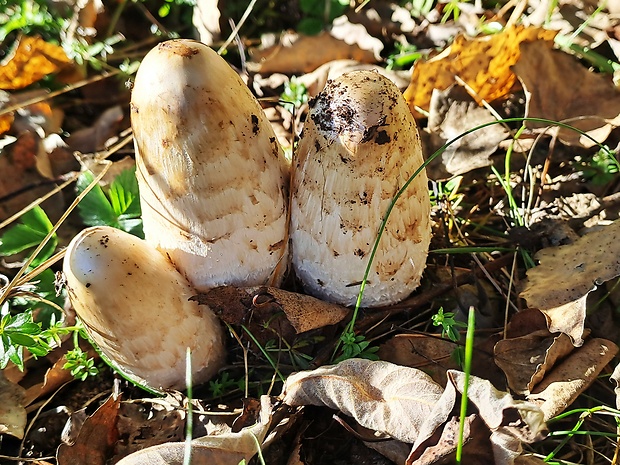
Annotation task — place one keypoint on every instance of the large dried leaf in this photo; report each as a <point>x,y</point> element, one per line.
<point>526,359</point>
<point>407,405</point>
<point>482,63</point>
<point>32,60</point>
<point>431,354</point>
<point>560,284</point>
<point>574,375</point>
<point>549,78</point>
<point>302,311</point>
<point>382,396</point>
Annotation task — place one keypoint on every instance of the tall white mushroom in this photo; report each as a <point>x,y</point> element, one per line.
<point>359,146</point>
<point>212,175</point>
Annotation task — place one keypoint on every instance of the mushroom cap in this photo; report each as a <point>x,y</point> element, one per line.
<point>359,146</point>
<point>213,178</point>
<point>135,308</point>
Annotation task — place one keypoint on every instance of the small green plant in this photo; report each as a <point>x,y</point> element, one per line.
<point>80,364</point>
<point>403,57</point>
<point>450,329</point>
<point>224,384</point>
<point>449,326</point>
<point>31,17</point>
<point>117,206</point>
<point>601,169</point>
<point>295,92</point>
<point>356,346</point>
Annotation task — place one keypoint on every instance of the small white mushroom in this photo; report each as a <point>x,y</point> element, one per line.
<point>212,175</point>
<point>134,305</point>
<point>359,146</point>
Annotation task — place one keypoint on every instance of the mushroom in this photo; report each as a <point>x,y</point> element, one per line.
<point>358,148</point>
<point>135,307</point>
<point>212,175</point>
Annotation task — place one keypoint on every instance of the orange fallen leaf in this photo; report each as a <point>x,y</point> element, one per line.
<point>32,60</point>
<point>482,63</point>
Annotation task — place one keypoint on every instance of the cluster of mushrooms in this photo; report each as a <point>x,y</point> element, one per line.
<point>221,205</point>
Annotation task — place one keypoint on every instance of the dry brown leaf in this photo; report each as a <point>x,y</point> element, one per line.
<point>96,437</point>
<point>549,77</point>
<point>526,359</point>
<point>560,284</point>
<point>453,112</point>
<point>382,396</point>
<point>296,53</point>
<point>574,375</point>
<point>173,453</point>
<point>12,408</point>
<point>482,63</point>
<point>303,312</point>
<point>32,60</point>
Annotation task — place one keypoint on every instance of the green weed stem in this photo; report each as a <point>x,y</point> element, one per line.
<point>469,354</point>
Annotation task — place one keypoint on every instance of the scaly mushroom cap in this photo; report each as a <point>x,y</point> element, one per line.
<point>359,146</point>
<point>134,305</point>
<point>212,175</point>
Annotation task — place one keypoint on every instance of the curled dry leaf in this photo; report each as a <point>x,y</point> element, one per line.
<point>431,354</point>
<point>508,422</point>
<point>96,437</point>
<point>304,312</point>
<point>300,54</point>
<point>575,374</point>
<point>526,359</point>
<point>382,396</point>
<point>560,284</point>
<point>452,112</point>
<point>222,449</point>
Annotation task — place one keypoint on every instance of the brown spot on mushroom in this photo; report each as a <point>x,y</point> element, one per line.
<point>255,126</point>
